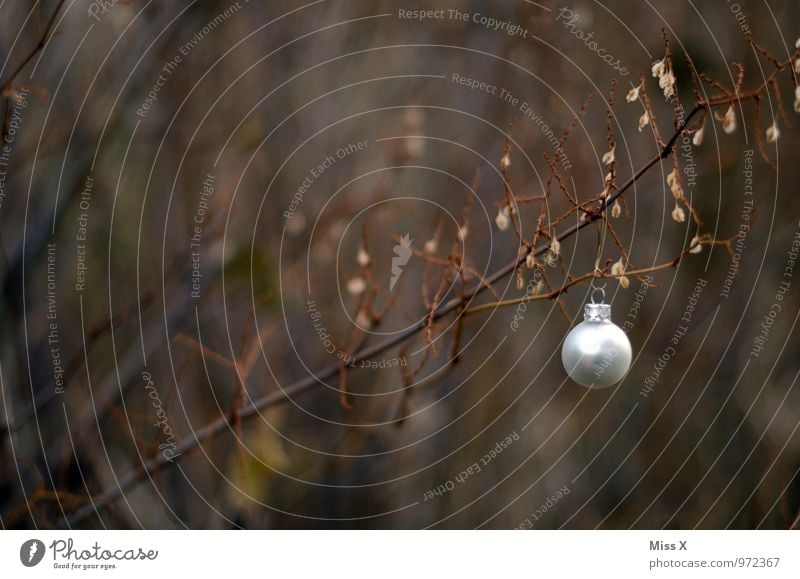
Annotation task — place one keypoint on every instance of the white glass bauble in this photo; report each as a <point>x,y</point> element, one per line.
<point>596,353</point>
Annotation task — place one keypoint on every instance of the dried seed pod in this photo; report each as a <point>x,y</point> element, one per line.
<point>697,138</point>
<point>773,133</point>
<point>695,245</point>
<point>356,286</point>
<point>555,247</point>
<point>502,219</point>
<point>729,121</point>
<point>362,257</point>
<point>678,214</point>
<point>644,120</point>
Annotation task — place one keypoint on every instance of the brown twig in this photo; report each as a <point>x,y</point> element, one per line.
<point>222,423</point>
<point>7,92</point>
<point>455,304</point>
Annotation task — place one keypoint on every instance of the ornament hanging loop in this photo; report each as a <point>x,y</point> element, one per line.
<point>598,290</point>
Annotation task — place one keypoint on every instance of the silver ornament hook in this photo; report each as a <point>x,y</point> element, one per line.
<point>602,291</point>
<point>596,311</point>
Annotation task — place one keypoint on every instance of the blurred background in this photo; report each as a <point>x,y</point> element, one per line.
<point>203,203</point>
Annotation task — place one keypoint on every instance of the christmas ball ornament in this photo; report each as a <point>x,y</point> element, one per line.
<point>596,353</point>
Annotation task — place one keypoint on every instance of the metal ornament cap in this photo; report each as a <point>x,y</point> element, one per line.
<point>596,353</point>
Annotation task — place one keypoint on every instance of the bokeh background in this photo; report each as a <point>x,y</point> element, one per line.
<point>138,122</point>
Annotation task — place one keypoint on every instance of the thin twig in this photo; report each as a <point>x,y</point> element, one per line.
<point>222,423</point>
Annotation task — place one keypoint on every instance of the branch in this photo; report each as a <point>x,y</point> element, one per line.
<point>578,280</point>
<point>458,303</point>
<point>39,45</point>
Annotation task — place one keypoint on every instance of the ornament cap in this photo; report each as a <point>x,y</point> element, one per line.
<point>597,313</point>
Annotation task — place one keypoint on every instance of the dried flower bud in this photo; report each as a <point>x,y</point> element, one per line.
<point>431,246</point>
<point>414,117</point>
<point>624,282</point>
<point>773,133</point>
<point>463,231</point>
<point>644,120</point>
<point>729,120</point>
<point>672,178</point>
<point>617,268</point>
<point>520,280</point>
<point>362,257</point>
<point>678,214</point>
<point>608,178</point>
<point>356,286</point>
<point>666,82</point>
<point>555,247</point>
<point>695,245</point>
<point>674,182</point>
<point>502,219</point>
<point>697,139</point>
<point>530,261</point>
<point>797,66</point>
<point>505,161</point>
<point>363,321</point>
<point>415,147</point>
<point>633,94</point>
<point>608,158</point>
<point>616,210</point>
<point>659,68</point>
